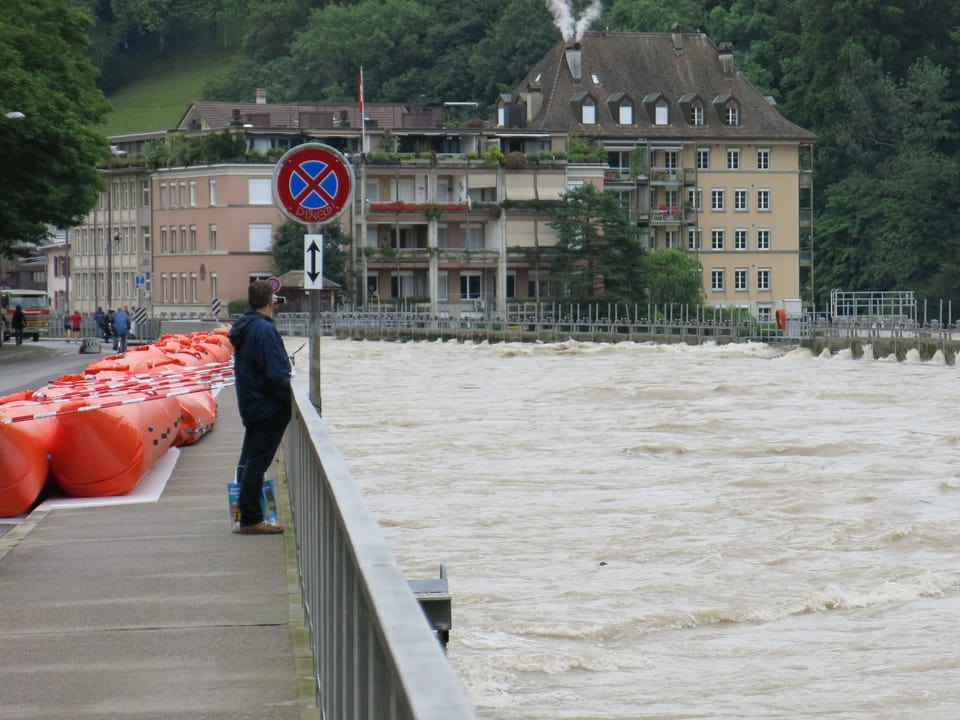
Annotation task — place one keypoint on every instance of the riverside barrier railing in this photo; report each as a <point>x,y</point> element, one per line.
<point>375,656</point>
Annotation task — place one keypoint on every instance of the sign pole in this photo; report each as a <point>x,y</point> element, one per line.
<point>310,241</point>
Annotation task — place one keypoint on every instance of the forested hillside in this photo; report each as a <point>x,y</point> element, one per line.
<point>876,80</point>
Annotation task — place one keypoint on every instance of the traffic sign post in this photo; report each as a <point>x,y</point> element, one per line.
<point>313,185</point>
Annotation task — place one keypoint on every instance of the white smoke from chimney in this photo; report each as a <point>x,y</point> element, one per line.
<point>592,13</point>
<point>572,29</point>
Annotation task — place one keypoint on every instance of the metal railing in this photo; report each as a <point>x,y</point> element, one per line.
<point>374,653</point>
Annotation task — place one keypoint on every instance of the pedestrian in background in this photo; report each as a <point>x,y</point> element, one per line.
<point>19,322</point>
<point>76,320</point>
<point>120,325</point>
<point>261,371</point>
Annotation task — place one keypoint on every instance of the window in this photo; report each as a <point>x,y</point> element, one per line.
<point>472,237</point>
<point>731,114</point>
<point>214,292</point>
<point>740,238</point>
<point>193,193</point>
<point>717,238</point>
<point>763,159</point>
<point>183,287</point>
<point>695,239</point>
<point>763,239</point>
<point>671,239</point>
<point>695,198</point>
<point>183,238</point>
<point>401,284</point>
<point>662,113</point>
<point>145,234</point>
<point>626,114</point>
<point>259,191</point>
<point>696,115</point>
<point>163,195</point>
<point>442,285</point>
<point>126,195</point>
<point>173,287</point>
<point>763,200</point>
<point>165,287</point>
<point>213,192</point>
<point>733,158</point>
<point>740,199</point>
<point>193,287</point>
<point>443,236</point>
<point>703,158</point>
<point>213,238</point>
<point>764,313</point>
<point>740,279</point>
<point>469,285</point>
<point>193,238</point>
<point>588,112</point>
<point>763,279</point>
<point>717,201</point>
<point>259,237</point>
<point>183,194</point>
<point>716,279</point>
<point>671,159</point>
<point>163,240</point>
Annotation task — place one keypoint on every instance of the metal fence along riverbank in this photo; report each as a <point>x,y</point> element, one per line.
<point>818,335</point>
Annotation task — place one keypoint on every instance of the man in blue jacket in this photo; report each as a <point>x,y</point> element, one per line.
<point>261,371</point>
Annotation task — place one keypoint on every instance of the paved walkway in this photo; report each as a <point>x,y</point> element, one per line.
<point>154,611</point>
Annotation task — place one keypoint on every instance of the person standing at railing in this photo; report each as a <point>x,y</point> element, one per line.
<point>261,371</point>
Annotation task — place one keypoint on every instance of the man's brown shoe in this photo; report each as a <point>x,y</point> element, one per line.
<point>261,528</point>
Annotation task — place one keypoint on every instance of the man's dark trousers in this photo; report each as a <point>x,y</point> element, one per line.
<point>260,443</point>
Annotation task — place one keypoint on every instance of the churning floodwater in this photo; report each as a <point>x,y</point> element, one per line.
<point>669,531</point>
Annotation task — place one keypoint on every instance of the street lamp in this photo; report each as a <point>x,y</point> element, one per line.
<point>110,245</point>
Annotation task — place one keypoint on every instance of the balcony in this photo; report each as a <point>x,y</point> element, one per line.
<point>430,211</point>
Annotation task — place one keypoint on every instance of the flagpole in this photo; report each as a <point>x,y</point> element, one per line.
<point>363,120</point>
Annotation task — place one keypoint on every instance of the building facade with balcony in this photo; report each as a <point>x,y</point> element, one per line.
<point>451,211</point>
<point>702,161</point>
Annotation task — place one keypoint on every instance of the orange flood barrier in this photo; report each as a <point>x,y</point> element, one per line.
<point>96,433</point>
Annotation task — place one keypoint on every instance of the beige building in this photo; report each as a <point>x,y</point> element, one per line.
<point>699,158</point>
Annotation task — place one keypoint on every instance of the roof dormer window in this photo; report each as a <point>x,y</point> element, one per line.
<point>586,107</point>
<point>662,113</point>
<point>621,108</point>
<point>728,109</point>
<point>692,106</point>
<point>595,78</point>
<point>657,107</point>
<point>731,114</point>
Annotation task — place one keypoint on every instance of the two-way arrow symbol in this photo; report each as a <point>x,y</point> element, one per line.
<point>313,250</point>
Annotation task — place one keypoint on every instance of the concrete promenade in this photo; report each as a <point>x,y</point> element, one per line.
<point>155,611</point>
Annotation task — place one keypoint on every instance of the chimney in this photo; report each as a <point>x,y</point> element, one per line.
<point>574,61</point>
<point>676,37</point>
<point>725,55</point>
<point>261,96</point>
<point>534,100</point>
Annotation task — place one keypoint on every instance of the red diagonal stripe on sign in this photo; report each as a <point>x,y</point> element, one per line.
<point>313,185</point>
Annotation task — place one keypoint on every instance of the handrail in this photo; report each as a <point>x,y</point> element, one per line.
<point>374,653</point>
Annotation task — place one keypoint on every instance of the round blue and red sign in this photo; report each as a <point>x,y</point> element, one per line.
<point>313,184</point>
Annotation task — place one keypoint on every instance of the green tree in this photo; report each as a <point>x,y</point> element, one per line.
<point>673,276</point>
<point>598,255</point>
<point>50,155</point>
<point>288,250</point>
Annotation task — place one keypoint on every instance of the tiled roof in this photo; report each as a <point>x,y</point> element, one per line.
<point>202,115</point>
<point>640,66</point>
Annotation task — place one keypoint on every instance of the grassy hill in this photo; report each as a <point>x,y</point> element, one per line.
<point>159,96</point>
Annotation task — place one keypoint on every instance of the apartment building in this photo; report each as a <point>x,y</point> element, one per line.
<point>699,158</point>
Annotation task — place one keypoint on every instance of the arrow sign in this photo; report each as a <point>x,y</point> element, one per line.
<point>313,262</point>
